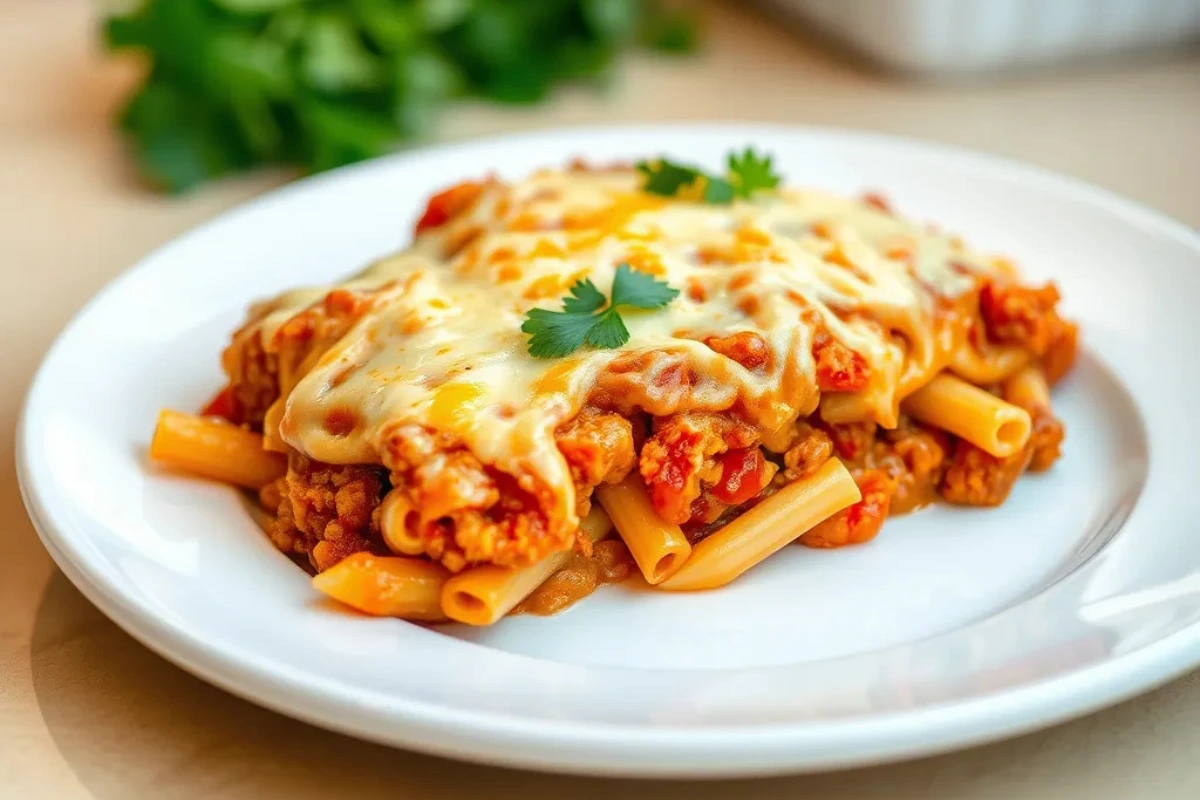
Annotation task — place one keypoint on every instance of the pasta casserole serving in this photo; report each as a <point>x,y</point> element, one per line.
<point>711,365</point>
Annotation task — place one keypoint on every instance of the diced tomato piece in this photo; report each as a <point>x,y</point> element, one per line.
<point>447,204</point>
<point>741,476</point>
<point>224,404</point>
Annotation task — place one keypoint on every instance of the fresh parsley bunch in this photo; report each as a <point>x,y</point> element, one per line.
<point>233,84</point>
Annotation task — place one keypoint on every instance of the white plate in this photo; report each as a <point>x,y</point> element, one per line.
<point>953,627</point>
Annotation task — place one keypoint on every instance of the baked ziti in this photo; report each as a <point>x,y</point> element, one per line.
<point>713,365</point>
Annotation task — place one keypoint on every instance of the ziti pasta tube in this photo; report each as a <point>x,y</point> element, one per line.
<point>215,449</point>
<point>766,528</point>
<point>983,419</point>
<point>482,595</point>
<point>385,586</point>
<point>659,547</point>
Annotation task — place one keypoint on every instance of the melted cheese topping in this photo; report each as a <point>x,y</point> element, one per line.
<point>441,346</point>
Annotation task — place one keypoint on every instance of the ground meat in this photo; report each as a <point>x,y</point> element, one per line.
<point>253,376</point>
<point>1060,356</point>
<point>913,457</point>
<point>839,369</point>
<point>852,441</point>
<point>599,448</point>
<point>811,448</point>
<point>471,513</point>
<point>678,460</point>
<point>977,478</point>
<point>1021,315</point>
<point>254,373</point>
<point>326,512</point>
<point>1046,440</point>
<point>860,522</point>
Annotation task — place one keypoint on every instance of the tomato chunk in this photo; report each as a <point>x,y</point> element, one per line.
<point>225,405</point>
<point>446,205</point>
<point>741,476</point>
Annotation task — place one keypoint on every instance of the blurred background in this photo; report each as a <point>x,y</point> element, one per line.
<point>176,94</point>
<point>122,125</point>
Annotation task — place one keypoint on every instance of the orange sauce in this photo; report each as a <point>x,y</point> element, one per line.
<point>610,562</point>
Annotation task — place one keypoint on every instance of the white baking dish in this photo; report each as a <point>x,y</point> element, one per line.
<point>951,37</point>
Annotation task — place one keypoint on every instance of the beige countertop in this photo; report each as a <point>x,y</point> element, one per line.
<point>87,712</point>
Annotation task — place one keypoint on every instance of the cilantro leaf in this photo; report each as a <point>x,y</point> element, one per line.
<point>750,172</point>
<point>554,334</point>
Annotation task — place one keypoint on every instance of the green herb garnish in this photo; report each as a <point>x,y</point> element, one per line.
<point>750,172</point>
<point>233,84</point>
<point>747,173</point>
<point>554,334</point>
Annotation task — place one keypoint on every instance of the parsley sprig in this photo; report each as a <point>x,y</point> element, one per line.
<point>747,172</point>
<point>584,318</point>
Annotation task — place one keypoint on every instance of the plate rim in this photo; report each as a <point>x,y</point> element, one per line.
<point>566,746</point>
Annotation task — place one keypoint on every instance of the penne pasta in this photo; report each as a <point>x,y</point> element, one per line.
<point>1028,389</point>
<point>838,408</point>
<point>482,595</point>
<point>987,368</point>
<point>984,420</point>
<point>214,448</point>
<point>766,528</point>
<point>271,439</point>
<point>658,546</point>
<point>395,514</point>
<point>384,586</point>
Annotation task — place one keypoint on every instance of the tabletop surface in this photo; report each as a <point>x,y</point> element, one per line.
<point>87,712</point>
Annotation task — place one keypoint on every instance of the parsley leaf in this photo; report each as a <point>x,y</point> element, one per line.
<point>640,289</point>
<point>585,298</point>
<point>609,331</point>
<point>747,173</point>
<point>554,334</point>
<point>667,178</point>
<point>750,172</point>
<point>719,192</point>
